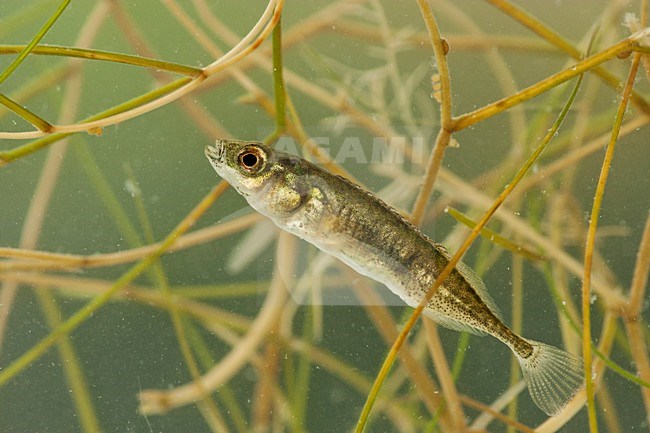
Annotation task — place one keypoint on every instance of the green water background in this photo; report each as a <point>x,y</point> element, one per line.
<point>126,347</point>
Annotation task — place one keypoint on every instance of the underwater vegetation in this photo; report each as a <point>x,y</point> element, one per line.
<point>139,292</point>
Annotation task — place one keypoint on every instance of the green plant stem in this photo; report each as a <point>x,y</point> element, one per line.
<point>39,83</point>
<point>557,40</point>
<point>133,238</point>
<point>206,359</point>
<point>85,312</point>
<point>28,48</point>
<point>473,117</point>
<point>279,88</point>
<point>495,237</point>
<point>399,341</point>
<point>70,362</point>
<point>440,54</point>
<point>576,328</point>
<point>299,394</point>
<point>107,56</point>
<point>591,240</point>
<point>516,323</point>
<point>206,404</point>
<point>14,21</point>
<point>278,79</point>
<point>446,121</point>
<point>40,123</point>
<point>33,146</point>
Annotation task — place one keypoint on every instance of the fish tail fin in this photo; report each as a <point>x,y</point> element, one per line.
<point>553,376</point>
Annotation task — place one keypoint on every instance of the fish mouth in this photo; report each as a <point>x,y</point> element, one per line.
<point>215,153</point>
<point>211,152</point>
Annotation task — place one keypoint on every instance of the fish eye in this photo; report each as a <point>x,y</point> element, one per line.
<point>251,159</point>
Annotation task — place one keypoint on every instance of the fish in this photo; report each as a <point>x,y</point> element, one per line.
<point>350,223</point>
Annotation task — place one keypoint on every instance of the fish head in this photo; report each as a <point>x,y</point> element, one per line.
<point>243,164</point>
<point>263,176</point>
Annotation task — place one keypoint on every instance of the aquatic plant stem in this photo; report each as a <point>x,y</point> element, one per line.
<point>440,49</point>
<point>33,118</point>
<point>605,342</point>
<point>517,327</point>
<point>640,276</point>
<point>577,154</point>
<point>390,357</point>
<point>336,101</point>
<point>107,56</point>
<point>494,237</point>
<point>496,414</point>
<point>473,117</point>
<point>387,327</point>
<point>299,377</point>
<point>40,82</point>
<point>85,312</point>
<point>75,376</point>
<point>452,401</point>
<point>278,84</point>
<point>642,267</point>
<point>632,318</point>
<point>571,317</point>
<point>41,260</point>
<point>500,69</point>
<point>29,47</point>
<point>206,404</point>
<point>31,147</point>
<point>433,168</point>
<point>639,349</point>
<point>292,124</point>
<point>247,45</point>
<point>444,135</point>
<point>51,169</point>
<point>542,30</point>
<point>591,240</point>
<point>158,401</point>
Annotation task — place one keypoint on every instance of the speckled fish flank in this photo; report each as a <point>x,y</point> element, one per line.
<point>346,221</point>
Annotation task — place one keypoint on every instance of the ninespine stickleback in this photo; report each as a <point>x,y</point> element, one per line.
<point>350,223</point>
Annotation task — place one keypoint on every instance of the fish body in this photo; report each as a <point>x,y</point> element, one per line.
<point>347,222</point>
